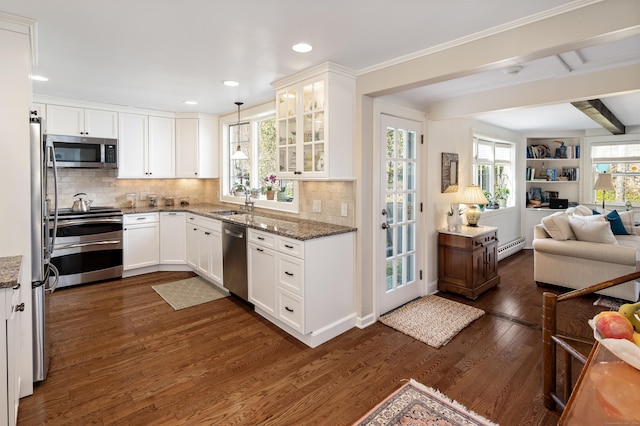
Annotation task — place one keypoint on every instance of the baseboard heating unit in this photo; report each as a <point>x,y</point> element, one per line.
<point>510,248</point>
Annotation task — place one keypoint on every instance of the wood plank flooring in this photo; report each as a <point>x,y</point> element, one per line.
<point>123,356</point>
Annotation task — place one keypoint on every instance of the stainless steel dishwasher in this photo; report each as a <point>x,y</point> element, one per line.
<point>234,259</point>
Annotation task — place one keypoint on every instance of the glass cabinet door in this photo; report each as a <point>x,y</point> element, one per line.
<point>313,120</point>
<point>287,109</point>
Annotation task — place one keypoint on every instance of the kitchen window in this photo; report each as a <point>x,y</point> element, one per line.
<point>493,162</point>
<point>622,161</point>
<point>256,137</point>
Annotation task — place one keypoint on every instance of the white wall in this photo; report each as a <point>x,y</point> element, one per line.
<point>15,233</point>
<point>455,136</point>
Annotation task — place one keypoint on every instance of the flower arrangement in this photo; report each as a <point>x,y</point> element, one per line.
<point>269,181</point>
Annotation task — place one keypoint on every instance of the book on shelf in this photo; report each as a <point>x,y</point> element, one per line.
<point>551,175</point>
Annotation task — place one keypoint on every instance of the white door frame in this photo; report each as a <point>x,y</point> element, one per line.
<point>379,108</point>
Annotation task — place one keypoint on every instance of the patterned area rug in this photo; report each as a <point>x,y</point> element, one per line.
<point>431,319</point>
<point>190,292</point>
<point>417,404</point>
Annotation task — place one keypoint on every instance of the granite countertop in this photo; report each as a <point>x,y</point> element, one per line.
<point>9,271</point>
<point>298,229</point>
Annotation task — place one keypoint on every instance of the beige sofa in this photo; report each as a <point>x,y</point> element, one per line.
<point>575,260</point>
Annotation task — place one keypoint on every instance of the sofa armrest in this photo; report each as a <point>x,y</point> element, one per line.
<point>612,253</point>
<point>540,232</point>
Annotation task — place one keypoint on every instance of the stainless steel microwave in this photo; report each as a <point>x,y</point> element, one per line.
<point>84,152</point>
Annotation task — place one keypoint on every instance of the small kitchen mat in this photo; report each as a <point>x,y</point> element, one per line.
<point>189,292</point>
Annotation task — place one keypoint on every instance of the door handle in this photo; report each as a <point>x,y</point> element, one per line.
<point>384,225</point>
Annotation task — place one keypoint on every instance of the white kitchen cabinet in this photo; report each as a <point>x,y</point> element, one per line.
<point>204,246</point>
<point>75,121</point>
<point>311,295</point>
<point>173,238</point>
<point>9,355</point>
<point>146,146</point>
<point>315,112</point>
<point>262,274</point>
<point>141,241</point>
<point>197,147</point>
<point>161,151</point>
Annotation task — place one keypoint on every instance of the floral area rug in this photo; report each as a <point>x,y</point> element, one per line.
<point>431,319</point>
<point>189,292</point>
<point>417,404</point>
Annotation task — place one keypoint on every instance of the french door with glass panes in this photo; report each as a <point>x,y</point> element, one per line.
<point>398,228</point>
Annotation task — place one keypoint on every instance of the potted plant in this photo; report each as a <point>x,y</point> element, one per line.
<point>269,182</point>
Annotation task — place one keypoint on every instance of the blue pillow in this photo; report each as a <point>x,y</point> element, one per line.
<point>617,227</point>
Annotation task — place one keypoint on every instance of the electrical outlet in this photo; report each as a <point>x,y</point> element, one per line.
<point>317,206</point>
<point>343,210</point>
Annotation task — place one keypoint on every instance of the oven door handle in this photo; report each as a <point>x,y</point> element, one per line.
<point>87,244</point>
<point>64,223</point>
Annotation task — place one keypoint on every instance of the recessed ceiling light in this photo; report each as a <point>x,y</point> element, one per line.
<point>302,47</point>
<point>39,78</point>
<point>230,83</point>
<point>191,102</point>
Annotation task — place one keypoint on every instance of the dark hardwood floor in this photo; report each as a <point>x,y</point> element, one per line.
<point>121,355</point>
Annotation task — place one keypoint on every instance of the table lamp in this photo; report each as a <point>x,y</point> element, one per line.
<point>471,196</point>
<point>603,183</point>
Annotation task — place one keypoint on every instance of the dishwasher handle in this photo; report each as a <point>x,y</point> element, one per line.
<point>234,234</point>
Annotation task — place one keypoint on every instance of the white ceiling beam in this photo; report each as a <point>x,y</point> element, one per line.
<point>597,23</point>
<point>542,92</point>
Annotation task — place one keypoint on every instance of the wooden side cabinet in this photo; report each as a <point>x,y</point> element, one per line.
<point>468,260</point>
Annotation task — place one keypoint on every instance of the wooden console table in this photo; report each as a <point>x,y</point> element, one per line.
<point>468,260</point>
<point>607,392</point>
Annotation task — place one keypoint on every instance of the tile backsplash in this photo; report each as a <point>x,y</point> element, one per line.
<point>105,189</point>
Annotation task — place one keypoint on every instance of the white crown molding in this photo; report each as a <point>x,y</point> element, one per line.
<point>313,72</point>
<point>22,25</point>
<point>577,4</point>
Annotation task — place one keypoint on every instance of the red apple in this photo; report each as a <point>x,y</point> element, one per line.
<point>614,325</point>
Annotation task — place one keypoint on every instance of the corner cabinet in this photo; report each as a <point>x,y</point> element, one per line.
<point>197,146</point>
<point>315,112</point>
<point>468,260</point>
<point>552,169</point>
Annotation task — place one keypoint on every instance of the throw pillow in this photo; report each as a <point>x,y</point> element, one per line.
<point>557,226</point>
<point>596,230</point>
<point>628,220</point>
<point>617,227</point>
<point>582,211</point>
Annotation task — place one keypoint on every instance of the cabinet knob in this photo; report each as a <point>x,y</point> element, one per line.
<point>384,225</point>
<point>20,307</point>
<point>297,173</point>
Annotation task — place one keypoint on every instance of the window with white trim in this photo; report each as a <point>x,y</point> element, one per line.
<point>256,138</point>
<point>622,161</point>
<point>493,170</point>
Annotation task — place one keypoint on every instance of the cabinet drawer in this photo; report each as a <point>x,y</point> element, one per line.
<point>291,247</point>
<point>290,310</point>
<point>291,273</point>
<point>484,240</point>
<point>134,219</point>
<point>262,238</point>
<point>204,222</point>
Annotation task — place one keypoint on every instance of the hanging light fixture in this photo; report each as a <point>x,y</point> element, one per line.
<point>238,154</point>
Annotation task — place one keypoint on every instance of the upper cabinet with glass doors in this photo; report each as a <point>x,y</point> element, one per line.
<point>315,113</point>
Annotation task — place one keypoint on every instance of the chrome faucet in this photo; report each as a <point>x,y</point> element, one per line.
<point>248,204</point>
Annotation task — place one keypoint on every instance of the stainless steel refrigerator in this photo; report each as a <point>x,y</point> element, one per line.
<point>44,212</point>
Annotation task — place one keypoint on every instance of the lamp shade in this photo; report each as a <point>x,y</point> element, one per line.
<point>473,195</point>
<point>604,182</point>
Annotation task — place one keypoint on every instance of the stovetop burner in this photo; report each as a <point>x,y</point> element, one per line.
<point>93,211</point>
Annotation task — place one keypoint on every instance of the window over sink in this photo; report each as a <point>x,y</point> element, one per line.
<point>255,136</point>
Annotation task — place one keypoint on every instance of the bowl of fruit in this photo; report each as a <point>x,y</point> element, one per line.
<point>620,332</point>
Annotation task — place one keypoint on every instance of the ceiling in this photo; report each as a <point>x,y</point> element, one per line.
<point>157,53</point>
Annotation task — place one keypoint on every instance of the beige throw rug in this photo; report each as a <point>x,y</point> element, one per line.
<point>431,319</point>
<point>190,292</point>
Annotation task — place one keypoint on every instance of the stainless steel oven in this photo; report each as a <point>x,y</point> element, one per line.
<point>88,246</point>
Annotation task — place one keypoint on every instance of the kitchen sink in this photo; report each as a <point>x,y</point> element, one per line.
<point>227,212</point>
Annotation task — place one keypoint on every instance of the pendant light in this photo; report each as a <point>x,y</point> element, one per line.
<point>238,154</point>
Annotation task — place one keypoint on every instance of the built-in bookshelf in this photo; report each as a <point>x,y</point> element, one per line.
<point>552,170</point>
